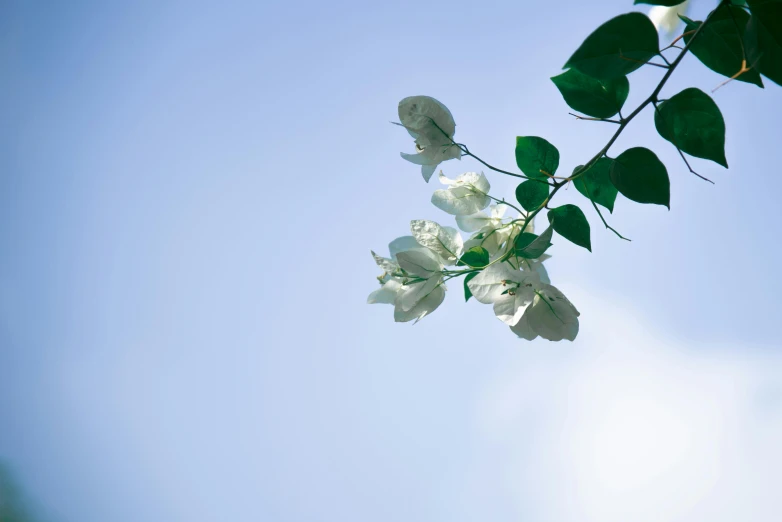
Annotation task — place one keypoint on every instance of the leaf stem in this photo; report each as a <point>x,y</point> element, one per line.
<point>579,117</point>
<point>503,202</point>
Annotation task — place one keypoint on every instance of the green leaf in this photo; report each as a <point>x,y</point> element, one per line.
<point>532,246</point>
<point>693,122</point>
<point>467,292</point>
<point>595,184</point>
<point>476,257</point>
<point>569,222</point>
<point>764,38</point>
<point>531,194</point>
<point>666,3</point>
<point>719,46</point>
<point>593,97</point>
<point>534,154</point>
<point>617,48</point>
<point>640,176</point>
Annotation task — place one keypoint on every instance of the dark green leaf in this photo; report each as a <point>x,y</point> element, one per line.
<point>476,257</point>
<point>596,185</point>
<point>666,3</point>
<point>718,45</point>
<point>467,292</point>
<point>693,122</point>
<point>640,176</point>
<point>617,48</point>
<point>532,246</point>
<point>531,194</point>
<point>593,97</point>
<point>534,154</point>
<point>569,222</point>
<point>764,38</point>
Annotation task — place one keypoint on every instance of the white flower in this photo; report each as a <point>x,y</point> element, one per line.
<point>550,315</point>
<point>666,19</point>
<point>466,195</point>
<point>432,125</point>
<point>509,290</point>
<point>422,295</point>
<point>411,280</point>
<point>444,241</point>
<point>528,305</point>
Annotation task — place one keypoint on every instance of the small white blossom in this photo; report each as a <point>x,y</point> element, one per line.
<point>666,19</point>
<point>531,307</point>
<point>411,280</point>
<point>420,297</point>
<point>466,195</point>
<point>432,126</point>
<point>550,316</point>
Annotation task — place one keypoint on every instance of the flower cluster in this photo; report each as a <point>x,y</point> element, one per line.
<point>499,259</point>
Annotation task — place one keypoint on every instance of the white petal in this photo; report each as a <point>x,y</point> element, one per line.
<point>420,159</point>
<point>472,222</point>
<point>445,180</point>
<point>411,294</point>
<point>427,171</point>
<point>436,238</point>
<point>523,329</point>
<point>666,19</point>
<point>477,181</point>
<point>387,265</point>
<point>386,294</point>
<point>419,262</point>
<point>460,201</point>
<point>510,307</point>
<point>537,266</point>
<point>489,284</point>
<point>455,243</point>
<point>552,316</point>
<point>425,306</point>
<point>498,210</point>
<point>431,157</point>
<point>421,113</point>
<point>402,244</point>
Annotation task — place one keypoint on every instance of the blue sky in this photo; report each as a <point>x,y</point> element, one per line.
<point>189,195</point>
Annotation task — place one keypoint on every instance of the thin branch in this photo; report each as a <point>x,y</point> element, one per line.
<point>642,62</point>
<point>467,152</point>
<point>503,202</point>
<point>675,40</point>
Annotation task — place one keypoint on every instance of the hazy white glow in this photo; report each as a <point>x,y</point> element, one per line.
<point>638,429</point>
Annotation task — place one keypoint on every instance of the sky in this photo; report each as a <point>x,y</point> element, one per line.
<point>188,195</point>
